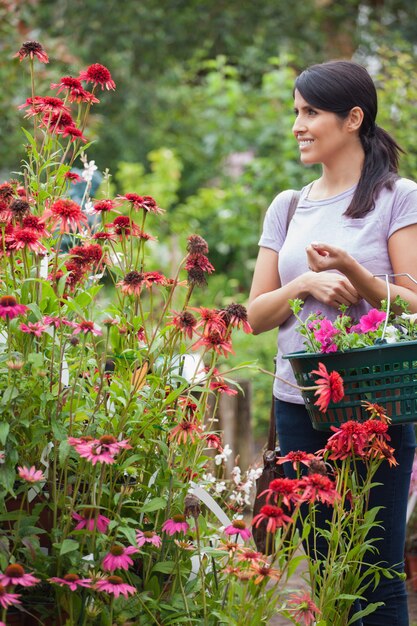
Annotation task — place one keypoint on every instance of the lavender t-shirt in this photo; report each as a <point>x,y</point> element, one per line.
<point>366,239</point>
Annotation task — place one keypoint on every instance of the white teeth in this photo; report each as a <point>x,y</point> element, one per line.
<point>305,142</point>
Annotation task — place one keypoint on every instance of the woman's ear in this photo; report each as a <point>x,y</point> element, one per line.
<point>354,119</point>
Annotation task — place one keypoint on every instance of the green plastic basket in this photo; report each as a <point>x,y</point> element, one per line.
<point>385,374</point>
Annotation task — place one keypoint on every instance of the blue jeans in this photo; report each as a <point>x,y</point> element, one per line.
<point>295,432</point>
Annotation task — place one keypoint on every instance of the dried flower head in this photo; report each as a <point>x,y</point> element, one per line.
<point>32,49</point>
<point>191,506</point>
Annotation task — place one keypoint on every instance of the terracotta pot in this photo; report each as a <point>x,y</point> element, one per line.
<point>411,561</point>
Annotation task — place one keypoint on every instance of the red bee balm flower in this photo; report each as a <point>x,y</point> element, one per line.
<point>98,75</point>
<point>330,387</point>
<point>9,308</point>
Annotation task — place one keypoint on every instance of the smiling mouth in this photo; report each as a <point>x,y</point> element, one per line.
<point>303,143</point>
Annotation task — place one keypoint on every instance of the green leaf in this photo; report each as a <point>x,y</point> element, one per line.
<point>4,431</point>
<point>165,567</point>
<point>68,545</point>
<point>154,505</point>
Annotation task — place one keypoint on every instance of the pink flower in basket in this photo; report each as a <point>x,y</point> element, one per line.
<point>370,322</point>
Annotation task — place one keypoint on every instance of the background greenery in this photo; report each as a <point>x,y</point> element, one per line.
<point>202,114</point>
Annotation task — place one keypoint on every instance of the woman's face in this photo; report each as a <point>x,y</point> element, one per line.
<point>321,135</point>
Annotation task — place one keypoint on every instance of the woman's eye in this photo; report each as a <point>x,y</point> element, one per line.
<point>312,112</point>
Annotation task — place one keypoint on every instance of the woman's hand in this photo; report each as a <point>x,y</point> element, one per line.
<point>322,257</point>
<point>332,289</point>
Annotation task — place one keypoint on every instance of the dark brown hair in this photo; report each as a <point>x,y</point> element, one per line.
<point>338,86</point>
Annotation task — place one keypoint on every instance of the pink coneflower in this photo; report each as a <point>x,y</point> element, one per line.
<point>247,555</point>
<point>72,581</point>
<point>330,387</point>
<point>98,75</point>
<point>32,49</point>
<point>296,457</point>
<point>14,574</point>
<point>57,321</point>
<point>31,475</point>
<point>239,573</point>
<point>238,527</point>
<point>26,238</point>
<point>148,536</point>
<point>74,133</point>
<point>175,524</point>
<point>186,429</point>
<point>273,515</point>
<point>215,341</point>
<point>9,308</point>
<point>68,213</point>
<point>8,599</point>
<point>305,610</point>
<point>33,328</point>
<point>116,586</point>
<point>91,520</point>
<point>73,177</point>
<point>118,558</point>
<point>101,450</point>
<point>132,283</point>
<point>236,315</point>
<point>185,322</point>
<point>86,326</point>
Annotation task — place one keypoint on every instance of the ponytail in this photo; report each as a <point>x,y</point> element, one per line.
<point>380,169</point>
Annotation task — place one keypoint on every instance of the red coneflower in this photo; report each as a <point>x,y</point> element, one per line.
<point>273,515</point>
<point>318,487</point>
<point>214,441</point>
<point>297,457</point>
<point>211,320</point>
<point>185,322</point>
<point>124,226</point>
<point>73,177</point>
<point>350,439</point>
<point>44,104</point>
<point>67,212</point>
<point>185,430</point>
<point>200,262</point>
<point>66,84</point>
<point>236,315</point>
<point>19,207</point>
<point>197,245</point>
<point>376,411</point>
<point>284,490</point>
<point>132,283</point>
<point>221,387</point>
<point>32,49</point>
<point>26,238</point>
<point>103,206</point>
<point>264,571</point>
<point>98,75</point>
<point>34,222</point>
<point>304,608</point>
<point>56,122</point>
<point>6,192</point>
<point>91,254</point>
<point>154,278</point>
<point>86,326</point>
<point>74,133</point>
<point>330,387</point>
<point>216,341</point>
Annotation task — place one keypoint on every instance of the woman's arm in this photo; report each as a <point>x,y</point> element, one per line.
<point>268,300</point>
<point>402,250</point>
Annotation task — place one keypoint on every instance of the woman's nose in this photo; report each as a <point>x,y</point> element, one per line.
<point>298,126</point>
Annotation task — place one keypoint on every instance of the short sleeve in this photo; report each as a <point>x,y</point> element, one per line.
<point>404,208</point>
<point>275,222</point>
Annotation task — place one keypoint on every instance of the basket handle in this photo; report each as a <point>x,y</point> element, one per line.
<point>386,276</point>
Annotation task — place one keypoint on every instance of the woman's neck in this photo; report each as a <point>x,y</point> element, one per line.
<point>338,176</point>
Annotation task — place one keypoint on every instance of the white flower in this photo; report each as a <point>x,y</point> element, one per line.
<point>223,456</point>
<point>89,169</point>
<point>391,334</point>
<point>89,208</point>
<point>412,317</point>
<point>220,487</point>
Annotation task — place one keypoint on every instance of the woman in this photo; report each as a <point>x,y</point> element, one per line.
<point>357,220</point>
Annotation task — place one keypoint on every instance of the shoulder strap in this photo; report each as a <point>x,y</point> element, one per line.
<point>293,206</point>
<point>272,435</point>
